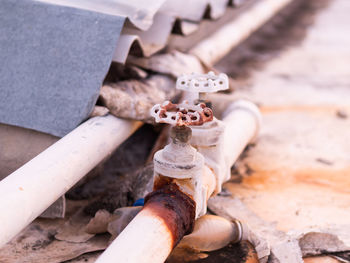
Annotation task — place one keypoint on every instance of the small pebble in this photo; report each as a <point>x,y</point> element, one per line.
<point>342,114</point>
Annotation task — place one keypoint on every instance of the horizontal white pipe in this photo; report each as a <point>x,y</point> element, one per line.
<point>212,49</point>
<point>28,191</point>
<point>146,239</point>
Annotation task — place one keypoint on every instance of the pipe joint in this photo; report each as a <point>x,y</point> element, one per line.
<point>179,163</point>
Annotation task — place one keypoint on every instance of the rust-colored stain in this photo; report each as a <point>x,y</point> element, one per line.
<point>161,181</point>
<point>175,208</point>
<point>305,108</point>
<point>337,179</point>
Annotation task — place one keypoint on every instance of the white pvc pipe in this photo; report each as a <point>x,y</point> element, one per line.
<point>146,239</point>
<point>242,119</point>
<point>215,47</point>
<point>31,189</point>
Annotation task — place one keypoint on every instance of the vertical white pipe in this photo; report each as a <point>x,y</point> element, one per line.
<point>242,119</point>
<point>28,191</point>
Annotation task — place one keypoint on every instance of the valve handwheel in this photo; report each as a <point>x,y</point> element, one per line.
<point>202,83</point>
<point>182,114</point>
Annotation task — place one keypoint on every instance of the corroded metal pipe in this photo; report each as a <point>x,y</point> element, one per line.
<point>167,216</point>
<point>176,209</point>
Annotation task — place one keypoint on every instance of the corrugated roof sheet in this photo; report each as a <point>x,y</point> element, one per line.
<point>149,42</point>
<point>187,14</point>
<point>194,10</point>
<point>139,13</point>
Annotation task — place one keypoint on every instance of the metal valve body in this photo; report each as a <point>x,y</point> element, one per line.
<point>179,162</point>
<point>208,138</point>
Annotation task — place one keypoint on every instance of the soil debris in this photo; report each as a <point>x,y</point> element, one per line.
<point>242,252</point>
<point>99,223</point>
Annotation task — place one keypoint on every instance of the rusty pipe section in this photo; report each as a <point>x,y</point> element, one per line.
<point>175,208</point>
<point>167,216</point>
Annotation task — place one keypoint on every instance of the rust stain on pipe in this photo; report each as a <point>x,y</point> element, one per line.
<point>330,109</point>
<point>162,181</point>
<point>176,209</point>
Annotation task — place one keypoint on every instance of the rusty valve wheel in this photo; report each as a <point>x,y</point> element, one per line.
<point>182,114</point>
